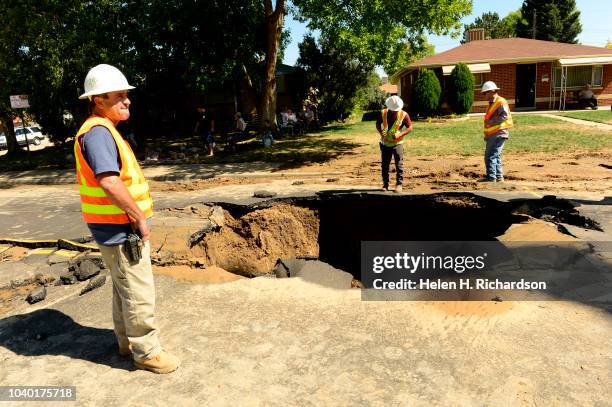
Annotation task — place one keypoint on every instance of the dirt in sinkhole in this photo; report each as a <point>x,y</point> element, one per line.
<point>251,244</point>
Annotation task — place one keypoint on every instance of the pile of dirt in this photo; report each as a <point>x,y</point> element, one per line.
<point>210,275</point>
<point>459,202</point>
<point>250,245</point>
<point>535,230</point>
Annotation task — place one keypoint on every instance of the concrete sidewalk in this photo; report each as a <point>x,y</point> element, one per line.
<point>588,123</point>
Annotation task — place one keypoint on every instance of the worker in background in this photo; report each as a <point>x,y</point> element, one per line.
<point>393,125</point>
<point>115,202</point>
<point>497,124</point>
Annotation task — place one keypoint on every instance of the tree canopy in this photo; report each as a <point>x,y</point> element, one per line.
<point>174,51</point>
<point>493,25</point>
<point>555,20</point>
<point>382,31</point>
<point>169,51</point>
<point>336,72</point>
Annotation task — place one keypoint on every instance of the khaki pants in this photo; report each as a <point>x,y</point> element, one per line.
<point>133,300</point>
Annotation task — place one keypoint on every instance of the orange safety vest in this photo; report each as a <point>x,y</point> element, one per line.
<point>95,204</point>
<point>490,129</point>
<point>388,132</point>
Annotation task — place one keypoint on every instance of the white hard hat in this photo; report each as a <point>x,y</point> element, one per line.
<point>394,103</point>
<point>104,78</point>
<point>487,86</point>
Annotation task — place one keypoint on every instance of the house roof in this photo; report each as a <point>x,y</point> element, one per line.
<point>507,50</point>
<point>282,69</point>
<point>387,87</point>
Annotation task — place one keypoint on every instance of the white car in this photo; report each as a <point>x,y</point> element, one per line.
<point>34,135</point>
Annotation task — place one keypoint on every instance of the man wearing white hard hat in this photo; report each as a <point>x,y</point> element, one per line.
<point>497,124</point>
<point>393,125</point>
<point>117,206</point>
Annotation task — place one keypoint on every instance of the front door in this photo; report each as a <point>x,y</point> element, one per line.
<point>525,85</point>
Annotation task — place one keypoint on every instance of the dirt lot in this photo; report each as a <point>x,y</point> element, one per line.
<point>588,172</point>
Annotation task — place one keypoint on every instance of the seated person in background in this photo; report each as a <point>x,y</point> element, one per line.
<point>292,120</point>
<point>234,136</point>
<point>308,117</point>
<point>586,98</point>
<point>284,116</point>
<point>240,124</point>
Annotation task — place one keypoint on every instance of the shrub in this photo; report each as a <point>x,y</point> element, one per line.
<point>426,93</point>
<point>461,89</point>
<point>370,115</point>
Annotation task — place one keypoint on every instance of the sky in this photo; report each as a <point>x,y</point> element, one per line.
<point>595,15</point>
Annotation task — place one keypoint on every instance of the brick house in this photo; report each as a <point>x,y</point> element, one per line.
<point>531,74</point>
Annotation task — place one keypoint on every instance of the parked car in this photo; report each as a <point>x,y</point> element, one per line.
<point>34,135</point>
<point>3,142</point>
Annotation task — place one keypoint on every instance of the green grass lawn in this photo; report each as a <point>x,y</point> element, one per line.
<point>531,134</point>
<point>600,116</point>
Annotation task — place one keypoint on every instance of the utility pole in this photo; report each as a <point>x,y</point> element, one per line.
<point>534,24</point>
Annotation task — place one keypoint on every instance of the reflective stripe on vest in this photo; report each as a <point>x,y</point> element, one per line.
<point>95,204</point>
<point>389,132</point>
<point>490,129</point>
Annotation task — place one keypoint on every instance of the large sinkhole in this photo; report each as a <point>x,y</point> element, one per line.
<point>331,226</point>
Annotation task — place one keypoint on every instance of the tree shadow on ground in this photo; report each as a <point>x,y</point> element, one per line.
<point>294,152</point>
<point>49,332</point>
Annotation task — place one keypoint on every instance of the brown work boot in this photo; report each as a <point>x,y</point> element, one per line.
<point>161,363</point>
<point>399,189</point>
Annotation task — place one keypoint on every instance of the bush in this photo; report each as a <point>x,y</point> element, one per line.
<point>426,93</point>
<point>370,116</point>
<point>461,89</point>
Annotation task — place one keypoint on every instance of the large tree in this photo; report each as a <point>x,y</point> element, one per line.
<point>555,20</point>
<point>170,51</point>
<point>376,29</point>
<point>494,27</point>
<point>336,72</point>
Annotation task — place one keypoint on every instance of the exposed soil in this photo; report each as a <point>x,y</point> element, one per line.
<point>14,253</point>
<point>251,244</point>
<point>210,275</point>
<point>535,230</point>
<point>539,172</point>
<point>9,296</point>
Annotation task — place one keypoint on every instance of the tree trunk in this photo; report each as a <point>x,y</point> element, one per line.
<point>248,95</point>
<point>6,126</point>
<point>274,29</point>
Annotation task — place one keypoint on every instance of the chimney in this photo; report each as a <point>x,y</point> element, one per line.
<point>474,34</point>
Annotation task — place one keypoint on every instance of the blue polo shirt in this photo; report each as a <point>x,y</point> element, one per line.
<point>100,152</point>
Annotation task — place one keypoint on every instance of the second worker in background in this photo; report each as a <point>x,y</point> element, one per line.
<point>393,125</point>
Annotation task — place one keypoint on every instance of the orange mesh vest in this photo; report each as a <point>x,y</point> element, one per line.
<point>490,129</point>
<point>95,205</point>
<point>389,131</point>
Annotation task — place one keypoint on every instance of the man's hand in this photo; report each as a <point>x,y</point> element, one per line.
<point>143,230</point>
<point>120,196</point>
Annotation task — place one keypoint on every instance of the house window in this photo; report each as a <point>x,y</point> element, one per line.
<point>478,80</point>
<point>578,76</point>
